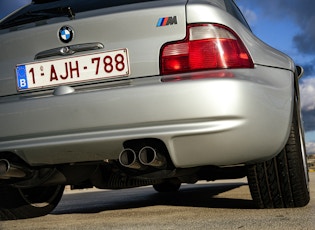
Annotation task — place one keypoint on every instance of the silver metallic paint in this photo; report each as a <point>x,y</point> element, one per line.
<point>202,122</point>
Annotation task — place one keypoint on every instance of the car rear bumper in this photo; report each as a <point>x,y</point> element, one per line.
<point>210,121</point>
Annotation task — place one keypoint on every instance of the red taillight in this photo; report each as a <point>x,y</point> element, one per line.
<point>207,46</point>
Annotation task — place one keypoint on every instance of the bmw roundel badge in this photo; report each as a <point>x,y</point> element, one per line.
<point>66,34</point>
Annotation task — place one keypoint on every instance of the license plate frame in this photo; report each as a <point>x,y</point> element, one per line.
<point>72,70</point>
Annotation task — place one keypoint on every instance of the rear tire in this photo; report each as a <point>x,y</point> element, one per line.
<point>282,182</point>
<point>16,203</point>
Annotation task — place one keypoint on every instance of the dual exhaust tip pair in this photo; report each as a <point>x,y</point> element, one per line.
<point>147,156</point>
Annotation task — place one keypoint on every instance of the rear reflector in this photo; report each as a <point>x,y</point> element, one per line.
<point>207,46</point>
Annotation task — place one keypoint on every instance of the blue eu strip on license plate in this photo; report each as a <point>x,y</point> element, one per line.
<point>21,77</point>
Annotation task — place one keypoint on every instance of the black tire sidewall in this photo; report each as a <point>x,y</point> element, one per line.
<point>15,205</point>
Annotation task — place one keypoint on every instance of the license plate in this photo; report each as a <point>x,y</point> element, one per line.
<point>84,68</point>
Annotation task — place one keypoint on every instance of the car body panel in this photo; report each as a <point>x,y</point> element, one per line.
<point>209,112</point>
<point>211,121</point>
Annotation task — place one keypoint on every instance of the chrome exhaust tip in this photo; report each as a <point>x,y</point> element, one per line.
<point>128,158</point>
<point>7,170</point>
<point>151,157</point>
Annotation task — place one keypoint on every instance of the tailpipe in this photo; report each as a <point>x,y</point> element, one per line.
<point>8,170</point>
<point>151,157</point>
<point>128,158</point>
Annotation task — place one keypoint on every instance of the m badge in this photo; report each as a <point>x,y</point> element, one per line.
<point>167,21</point>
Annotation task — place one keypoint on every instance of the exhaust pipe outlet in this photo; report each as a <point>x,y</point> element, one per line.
<point>128,158</point>
<point>150,157</point>
<point>8,170</point>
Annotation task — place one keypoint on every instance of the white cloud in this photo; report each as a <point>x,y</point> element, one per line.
<point>310,147</point>
<point>307,91</point>
<point>250,15</point>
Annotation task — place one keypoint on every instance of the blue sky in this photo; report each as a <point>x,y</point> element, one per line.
<point>287,25</point>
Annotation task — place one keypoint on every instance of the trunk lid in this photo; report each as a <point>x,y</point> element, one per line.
<point>136,27</point>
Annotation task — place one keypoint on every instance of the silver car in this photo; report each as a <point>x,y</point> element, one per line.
<point>120,94</point>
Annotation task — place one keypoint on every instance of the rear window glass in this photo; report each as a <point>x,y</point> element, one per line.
<point>82,5</point>
<point>45,9</point>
